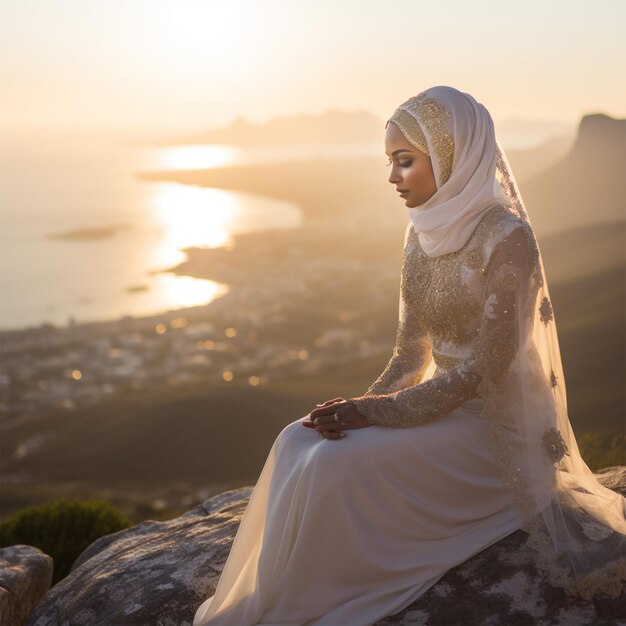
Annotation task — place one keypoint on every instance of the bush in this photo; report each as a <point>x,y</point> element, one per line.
<point>62,529</point>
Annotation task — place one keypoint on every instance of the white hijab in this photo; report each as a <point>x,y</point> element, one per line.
<point>459,129</point>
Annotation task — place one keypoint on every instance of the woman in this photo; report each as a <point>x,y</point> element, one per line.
<point>365,503</point>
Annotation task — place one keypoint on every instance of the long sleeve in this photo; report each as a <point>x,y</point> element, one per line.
<point>412,350</point>
<point>411,355</point>
<point>509,291</point>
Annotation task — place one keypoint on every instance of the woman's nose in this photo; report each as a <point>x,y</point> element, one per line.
<point>394,176</point>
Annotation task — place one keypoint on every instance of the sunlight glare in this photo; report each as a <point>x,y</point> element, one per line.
<point>185,291</point>
<point>202,25</point>
<point>197,157</point>
<point>194,216</point>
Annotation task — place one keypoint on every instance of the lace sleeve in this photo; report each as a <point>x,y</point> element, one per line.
<point>508,289</point>
<point>412,350</point>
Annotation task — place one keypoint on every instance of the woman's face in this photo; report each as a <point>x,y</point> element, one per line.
<point>411,170</point>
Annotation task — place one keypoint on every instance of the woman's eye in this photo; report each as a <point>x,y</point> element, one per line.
<point>404,164</point>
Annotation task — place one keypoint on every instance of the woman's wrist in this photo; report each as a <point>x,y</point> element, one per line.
<point>366,406</point>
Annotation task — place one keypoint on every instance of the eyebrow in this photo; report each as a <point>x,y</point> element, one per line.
<point>398,151</point>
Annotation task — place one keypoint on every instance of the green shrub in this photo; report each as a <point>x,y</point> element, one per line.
<point>62,529</point>
<point>601,451</point>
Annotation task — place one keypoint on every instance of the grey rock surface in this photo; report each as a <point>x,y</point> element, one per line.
<point>158,573</point>
<point>25,576</point>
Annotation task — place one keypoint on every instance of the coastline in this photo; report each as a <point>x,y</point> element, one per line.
<point>335,215</point>
<point>322,189</point>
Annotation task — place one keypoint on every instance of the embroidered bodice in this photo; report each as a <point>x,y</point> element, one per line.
<point>460,309</point>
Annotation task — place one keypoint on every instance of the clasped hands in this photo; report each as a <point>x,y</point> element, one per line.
<point>323,419</point>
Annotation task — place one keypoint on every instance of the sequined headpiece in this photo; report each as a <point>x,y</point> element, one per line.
<point>458,134</point>
<point>423,111</point>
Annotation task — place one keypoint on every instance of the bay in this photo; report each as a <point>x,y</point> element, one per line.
<point>82,239</point>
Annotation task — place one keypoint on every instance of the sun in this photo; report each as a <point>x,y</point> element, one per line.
<point>202,27</point>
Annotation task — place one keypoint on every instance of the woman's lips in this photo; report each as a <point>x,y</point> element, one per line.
<point>403,193</point>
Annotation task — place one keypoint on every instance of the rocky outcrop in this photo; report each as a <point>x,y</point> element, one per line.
<point>25,576</point>
<point>158,573</point>
<point>597,155</point>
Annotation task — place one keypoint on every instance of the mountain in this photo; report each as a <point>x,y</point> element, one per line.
<point>588,185</point>
<point>331,126</point>
<point>343,126</point>
<point>529,162</point>
<point>529,132</point>
<point>580,252</point>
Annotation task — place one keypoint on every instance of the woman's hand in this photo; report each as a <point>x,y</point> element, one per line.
<point>335,401</point>
<point>334,416</point>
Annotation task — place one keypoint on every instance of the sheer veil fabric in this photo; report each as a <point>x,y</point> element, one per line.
<point>576,527</point>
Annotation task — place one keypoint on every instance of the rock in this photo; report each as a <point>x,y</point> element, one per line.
<point>614,478</point>
<point>25,576</point>
<point>155,573</point>
<point>158,573</point>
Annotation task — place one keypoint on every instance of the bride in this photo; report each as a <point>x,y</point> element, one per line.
<point>365,503</point>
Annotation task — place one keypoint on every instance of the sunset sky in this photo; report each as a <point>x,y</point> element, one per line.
<point>187,65</point>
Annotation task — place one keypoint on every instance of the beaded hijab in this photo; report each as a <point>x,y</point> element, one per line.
<point>576,527</point>
<point>458,134</point>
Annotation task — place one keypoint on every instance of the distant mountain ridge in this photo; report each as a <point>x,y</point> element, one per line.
<point>335,126</point>
<point>331,126</point>
<point>585,187</point>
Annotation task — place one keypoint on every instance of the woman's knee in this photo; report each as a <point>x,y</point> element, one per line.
<point>296,425</point>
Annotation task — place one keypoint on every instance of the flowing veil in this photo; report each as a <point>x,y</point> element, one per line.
<point>576,526</point>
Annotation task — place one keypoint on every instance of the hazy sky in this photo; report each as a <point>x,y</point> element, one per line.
<point>180,65</point>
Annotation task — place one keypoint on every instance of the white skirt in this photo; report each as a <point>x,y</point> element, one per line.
<point>349,531</point>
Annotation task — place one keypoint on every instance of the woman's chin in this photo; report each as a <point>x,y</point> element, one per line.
<point>413,203</point>
<point>409,201</point>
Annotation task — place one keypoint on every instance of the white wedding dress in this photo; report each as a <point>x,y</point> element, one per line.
<point>345,532</point>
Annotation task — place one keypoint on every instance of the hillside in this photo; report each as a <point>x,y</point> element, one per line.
<point>331,126</point>
<point>586,186</point>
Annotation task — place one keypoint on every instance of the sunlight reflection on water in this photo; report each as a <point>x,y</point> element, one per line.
<point>82,237</point>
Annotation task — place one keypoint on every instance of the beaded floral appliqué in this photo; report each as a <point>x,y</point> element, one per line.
<point>545,311</point>
<point>435,293</point>
<point>509,277</point>
<point>554,445</point>
<point>474,260</point>
<point>553,378</point>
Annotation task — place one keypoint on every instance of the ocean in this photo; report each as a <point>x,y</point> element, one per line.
<point>83,239</point>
